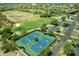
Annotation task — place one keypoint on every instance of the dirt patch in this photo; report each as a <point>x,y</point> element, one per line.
<point>19,16</point>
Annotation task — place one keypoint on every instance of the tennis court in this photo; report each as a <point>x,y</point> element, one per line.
<point>33,47</point>
<point>42,44</point>
<point>29,38</point>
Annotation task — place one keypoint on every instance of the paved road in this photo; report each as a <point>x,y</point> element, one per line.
<point>66,36</point>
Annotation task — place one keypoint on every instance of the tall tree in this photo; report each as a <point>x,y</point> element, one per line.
<point>68,48</point>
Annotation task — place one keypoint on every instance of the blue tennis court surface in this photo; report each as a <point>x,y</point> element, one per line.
<point>29,38</point>
<point>45,41</point>
<point>37,47</point>
<point>40,45</point>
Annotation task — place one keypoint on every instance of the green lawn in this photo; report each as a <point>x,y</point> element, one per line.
<point>27,20</point>
<point>26,26</point>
